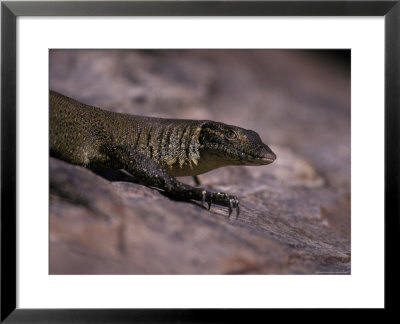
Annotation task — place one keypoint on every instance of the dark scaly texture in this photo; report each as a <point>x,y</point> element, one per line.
<point>154,150</point>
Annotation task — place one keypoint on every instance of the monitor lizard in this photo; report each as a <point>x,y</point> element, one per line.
<point>153,150</point>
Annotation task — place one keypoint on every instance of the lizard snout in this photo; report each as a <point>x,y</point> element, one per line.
<point>267,155</point>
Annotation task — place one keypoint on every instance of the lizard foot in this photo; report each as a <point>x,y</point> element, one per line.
<point>223,199</point>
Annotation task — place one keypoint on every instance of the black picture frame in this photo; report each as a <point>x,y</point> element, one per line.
<point>11,10</point>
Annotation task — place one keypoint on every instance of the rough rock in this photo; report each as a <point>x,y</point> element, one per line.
<point>295,213</point>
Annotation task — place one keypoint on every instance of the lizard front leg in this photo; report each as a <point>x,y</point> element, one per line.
<point>153,174</point>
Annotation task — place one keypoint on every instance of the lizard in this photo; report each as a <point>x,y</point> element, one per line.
<point>153,150</point>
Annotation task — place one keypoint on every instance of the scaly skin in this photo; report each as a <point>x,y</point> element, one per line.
<point>153,150</point>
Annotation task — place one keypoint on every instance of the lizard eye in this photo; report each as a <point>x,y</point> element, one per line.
<point>230,134</point>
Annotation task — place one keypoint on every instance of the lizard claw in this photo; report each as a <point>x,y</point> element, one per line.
<point>220,199</point>
<point>203,200</point>
<point>230,207</point>
<point>237,209</point>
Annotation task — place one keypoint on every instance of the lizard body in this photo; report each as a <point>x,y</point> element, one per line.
<point>154,150</point>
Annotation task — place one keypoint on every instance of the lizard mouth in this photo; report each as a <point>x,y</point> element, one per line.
<point>269,157</point>
<point>248,159</point>
<point>261,156</point>
<point>266,156</point>
<point>251,160</point>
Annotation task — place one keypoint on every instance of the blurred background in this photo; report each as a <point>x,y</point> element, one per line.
<point>295,215</point>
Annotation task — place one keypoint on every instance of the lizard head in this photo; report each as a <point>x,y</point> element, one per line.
<point>233,145</point>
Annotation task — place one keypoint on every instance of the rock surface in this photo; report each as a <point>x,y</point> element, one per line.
<point>295,213</point>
